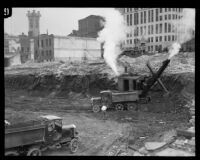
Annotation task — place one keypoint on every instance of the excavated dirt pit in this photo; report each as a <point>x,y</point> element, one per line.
<point>28,95</point>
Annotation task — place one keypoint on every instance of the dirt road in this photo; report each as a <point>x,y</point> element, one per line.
<point>97,136</point>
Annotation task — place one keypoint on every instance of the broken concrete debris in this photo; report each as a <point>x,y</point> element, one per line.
<point>173,152</point>
<point>151,146</point>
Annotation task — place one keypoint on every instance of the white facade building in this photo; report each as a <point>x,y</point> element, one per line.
<point>153,26</point>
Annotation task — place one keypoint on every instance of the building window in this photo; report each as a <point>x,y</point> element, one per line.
<point>160,10</point>
<point>46,42</point>
<point>149,16</point>
<point>141,17</point>
<point>38,43</point>
<point>156,14</point>
<point>148,29</point>
<point>148,48</point>
<point>165,17</point>
<point>151,29</point>
<point>173,39</point>
<point>42,43</point>
<point>47,54</point>
<point>173,9</point>
<point>22,49</point>
<point>130,41</point>
<point>151,48</point>
<point>128,20</point>
<point>160,38</point>
<point>151,39</point>
<point>165,38</point>
<point>169,38</point>
<point>160,18</point>
<point>144,16</point>
<point>160,27</point>
<point>156,47</point>
<point>127,9</point>
<point>176,17</point>
<point>169,27</point>
<point>130,9</point>
<point>141,31</point>
<point>144,30</point>
<point>136,18</point>
<point>49,42</point>
<point>169,16</point>
<point>165,9</point>
<point>156,39</point>
<point>169,9</point>
<point>165,27</point>
<point>152,16</point>
<point>156,28</point>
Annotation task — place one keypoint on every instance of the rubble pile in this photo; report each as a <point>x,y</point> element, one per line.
<point>180,63</point>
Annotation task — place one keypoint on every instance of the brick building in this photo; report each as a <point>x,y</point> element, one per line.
<point>43,48</point>
<point>88,27</point>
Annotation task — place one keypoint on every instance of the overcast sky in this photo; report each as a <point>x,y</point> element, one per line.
<point>58,21</point>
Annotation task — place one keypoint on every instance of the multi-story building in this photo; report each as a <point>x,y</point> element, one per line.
<point>88,27</point>
<point>53,47</point>
<point>43,48</point>
<point>24,41</point>
<point>153,27</point>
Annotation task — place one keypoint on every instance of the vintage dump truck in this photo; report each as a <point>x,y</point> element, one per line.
<point>32,137</point>
<point>132,90</point>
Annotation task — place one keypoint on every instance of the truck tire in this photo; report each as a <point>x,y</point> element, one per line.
<point>74,145</point>
<point>12,153</point>
<point>119,107</point>
<point>132,106</point>
<point>34,151</point>
<point>96,108</point>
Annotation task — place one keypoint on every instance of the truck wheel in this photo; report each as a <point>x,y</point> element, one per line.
<point>74,145</point>
<point>96,108</point>
<point>119,106</point>
<point>132,106</point>
<point>11,153</point>
<point>34,152</point>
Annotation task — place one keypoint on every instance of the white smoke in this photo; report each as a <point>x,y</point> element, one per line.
<point>174,49</point>
<point>184,28</point>
<point>113,33</point>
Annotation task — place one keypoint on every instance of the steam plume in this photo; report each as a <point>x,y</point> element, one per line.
<point>113,33</point>
<point>174,49</point>
<point>184,27</point>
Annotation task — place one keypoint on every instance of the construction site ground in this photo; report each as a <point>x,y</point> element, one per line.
<point>121,132</point>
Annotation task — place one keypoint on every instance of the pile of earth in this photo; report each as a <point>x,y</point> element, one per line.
<point>87,79</point>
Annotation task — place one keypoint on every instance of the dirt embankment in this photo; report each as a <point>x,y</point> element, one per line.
<point>84,80</point>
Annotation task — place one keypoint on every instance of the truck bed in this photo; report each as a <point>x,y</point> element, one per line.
<point>125,96</point>
<point>24,134</point>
